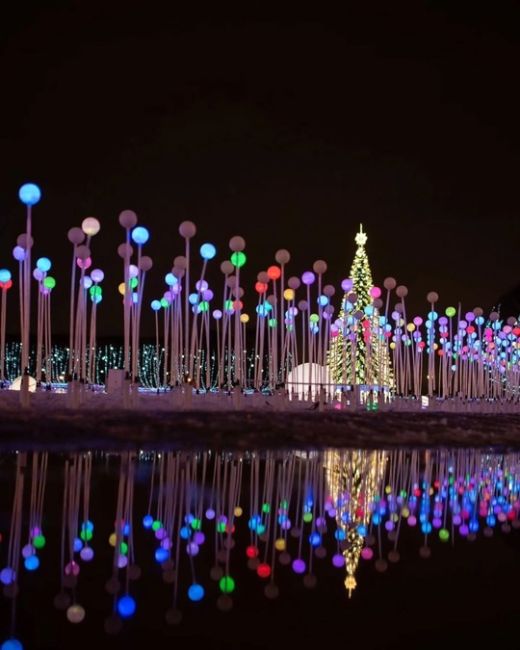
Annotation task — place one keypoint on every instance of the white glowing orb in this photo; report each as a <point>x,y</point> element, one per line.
<point>309,374</point>
<point>17,384</point>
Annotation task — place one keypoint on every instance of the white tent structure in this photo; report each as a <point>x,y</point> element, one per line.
<point>309,376</point>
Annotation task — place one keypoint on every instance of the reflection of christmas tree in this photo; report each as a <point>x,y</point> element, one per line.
<point>353,480</point>
<point>358,352</point>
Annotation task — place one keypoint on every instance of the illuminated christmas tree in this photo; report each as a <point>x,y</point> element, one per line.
<point>358,351</point>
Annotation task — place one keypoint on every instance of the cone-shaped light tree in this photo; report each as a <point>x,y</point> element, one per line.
<point>358,350</point>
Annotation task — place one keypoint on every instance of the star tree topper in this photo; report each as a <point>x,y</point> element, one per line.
<point>361,237</point>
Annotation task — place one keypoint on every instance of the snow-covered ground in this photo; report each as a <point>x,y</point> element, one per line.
<point>177,420</point>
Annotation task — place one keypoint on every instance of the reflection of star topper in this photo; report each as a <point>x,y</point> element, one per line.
<point>361,238</point>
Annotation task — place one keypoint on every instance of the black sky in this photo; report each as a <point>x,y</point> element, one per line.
<point>287,130</point>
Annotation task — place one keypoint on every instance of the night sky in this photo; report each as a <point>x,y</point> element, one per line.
<point>287,130</point>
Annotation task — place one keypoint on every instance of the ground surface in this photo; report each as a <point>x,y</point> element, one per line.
<point>102,423</point>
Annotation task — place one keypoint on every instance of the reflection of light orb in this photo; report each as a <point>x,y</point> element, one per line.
<point>161,555</point>
<point>226,584</point>
<point>263,570</point>
<point>27,551</point>
<point>196,592</point>
<point>31,563</point>
<point>29,194</point>
<point>86,554</point>
<point>75,613</point>
<point>298,565</point>
<point>7,576</point>
<point>126,606</point>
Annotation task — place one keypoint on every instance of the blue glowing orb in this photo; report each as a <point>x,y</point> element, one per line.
<point>43,264</point>
<point>29,194</point>
<point>196,592</point>
<point>11,644</point>
<point>31,563</point>
<point>208,251</point>
<point>126,606</point>
<point>7,576</point>
<point>161,555</point>
<point>5,275</point>
<point>140,235</point>
<point>147,521</point>
<point>156,305</point>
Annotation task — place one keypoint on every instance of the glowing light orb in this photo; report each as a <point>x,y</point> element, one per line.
<point>43,264</point>
<point>75,614</point>
<point>29,194</point>
<point>90,226</point>
<point>156,305</point>
<point>226,584</point>
<point>238,259</point>
<point>338,560</point>
<point>274,272</point>
<point>97,275</point>
<point>140,235</point>
<point>308,278</point>
<point>32,563</point>
<point>19,253</point>
<point>39,541</point>
<point>161,555</point>
<point>252,551</point>
<point>208,251</point>
<point>195,592</point>
<point>11,644</point>
<point>126,606</point>
<point>263,570</point>
<point>16,384</point>
<point>86,554</point>
<point>298,565</point>
<point>7,576</point>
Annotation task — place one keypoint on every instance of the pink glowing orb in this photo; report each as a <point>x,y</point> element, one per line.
<point>84,264</point>
<point>367,553</point>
